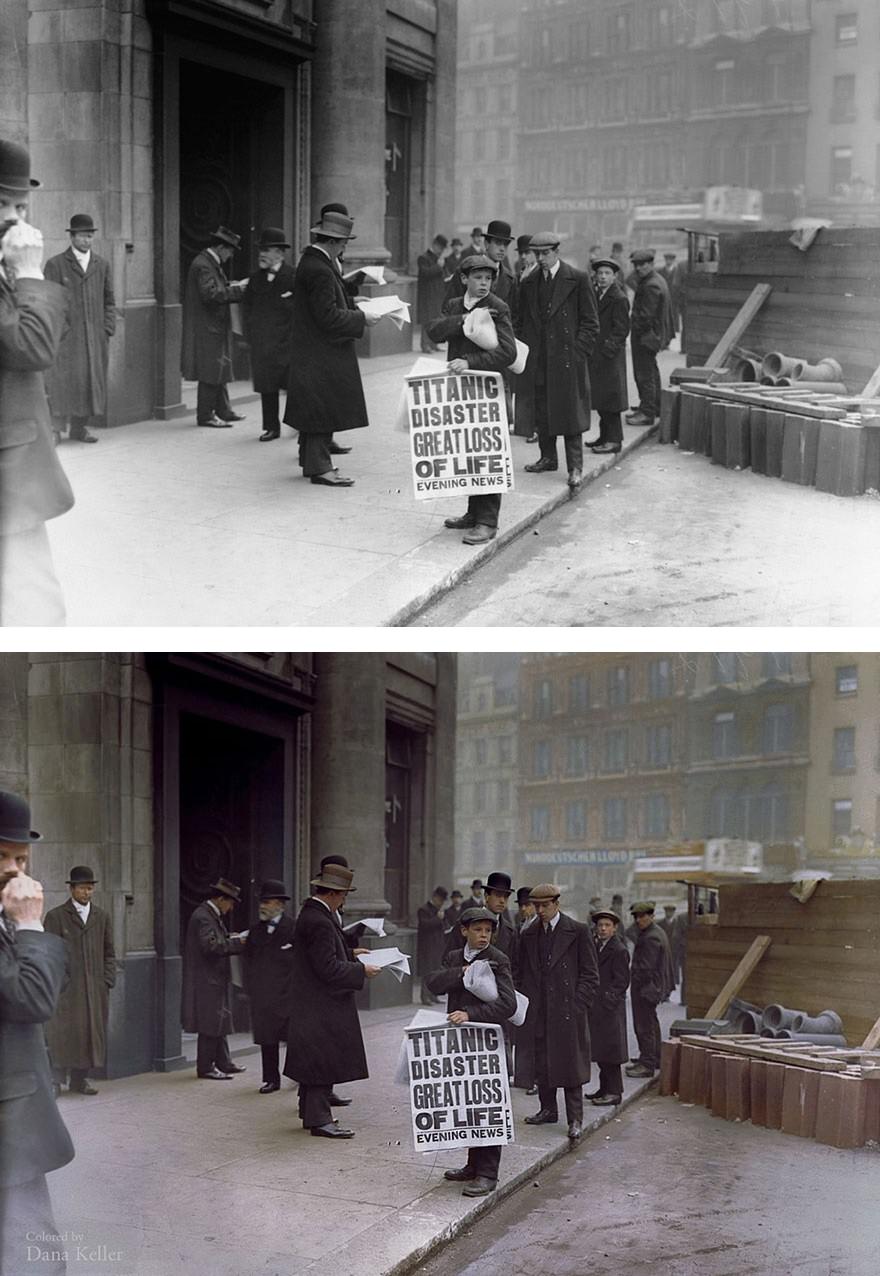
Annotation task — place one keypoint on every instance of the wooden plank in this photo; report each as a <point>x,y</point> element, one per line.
<point>735,332</point>
<point>873,1038</point>
<point>759,946</point>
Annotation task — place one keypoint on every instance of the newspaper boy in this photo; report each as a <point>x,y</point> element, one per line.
<point>480,1175</point>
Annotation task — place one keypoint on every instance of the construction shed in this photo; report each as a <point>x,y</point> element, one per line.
<point>824,954</point>
<point>824,301</point>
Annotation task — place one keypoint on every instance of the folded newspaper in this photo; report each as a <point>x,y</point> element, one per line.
<point>391,958</point>
<point>394,307</point>
<point>374,924</point>
<point>376,273</point>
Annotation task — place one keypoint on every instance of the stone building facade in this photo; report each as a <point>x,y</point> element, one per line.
<point>163,771</point>
<point>165,118</point>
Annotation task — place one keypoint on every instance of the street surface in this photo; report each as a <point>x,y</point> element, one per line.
<point>667,538</point>
<point>678,1192</point>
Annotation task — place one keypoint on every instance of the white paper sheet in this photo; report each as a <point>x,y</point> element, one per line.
<point>387,959</point>
<point>376,925</point>
<point>396,309</point>
<point>376,273</point>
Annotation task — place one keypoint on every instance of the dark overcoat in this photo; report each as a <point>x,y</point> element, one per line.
<point>207,327</point>
<point>33,1138</point>
<point>33,486</point>
<point>607,363</point>
<point>77,1032</point>
<point>324,393</point>
<point>608,1039</point>
<point>268,971</point>
<point>324,1042</point>
<point>449,979</point>
<point>431,937</point>
<point>207,987</point>
<point>430,286</point>
<point>651,972</point>
<point>506,937</point>
<point>559,1000</point>
<point>651,320</point>
<point>449,326</point>
<point>560,342</point>
<point>77,381</point>
<point>267,312</point>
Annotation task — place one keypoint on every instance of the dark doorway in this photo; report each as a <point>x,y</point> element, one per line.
<point>398,128</point>
<point>398,807</point>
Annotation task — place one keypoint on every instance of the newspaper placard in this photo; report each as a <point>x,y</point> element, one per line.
<point>459,1089</point>
<point>459,434</point>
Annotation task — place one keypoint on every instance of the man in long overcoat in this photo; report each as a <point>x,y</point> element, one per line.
<point>556,968</point>
<point>324,1043</point>
<point>607,363</point>
<point>267,311</point>
<point>207,329</point>
<point>652,330</point>
<point>431,937</point>
<point>430,285</point>
<point>558,321</point>
<point>77,1033</point>
<point>207,987</point>
<point>33,966</point>
<point>77,381</point>
<point>33,486</point>
<point>608,1040</point>
<point>325,393</point>
<point>652,982</point>
<point>268,967</point>
<point>671,273</point>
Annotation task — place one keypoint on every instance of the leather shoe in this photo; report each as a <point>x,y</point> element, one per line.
<point>533,438</point>
<point>596,1094</point>
<point>606,1100</point>
<point>575,1130</point>
<point>543,466</point>
<point>462,523</point>
<point>464,1175</point>
<point>214,1075</point>
<point>85,1087</point>
<point>479,535</point>
<point>213,422</point>
<point>83,436</point>
<point>232,416</point>
<point>332,479</point>
<point>236,1067</point>
<point>268,435</point>
<point>533,1089</point>
<point>269,1087</point>
<point>544,1117</point>
<point>575,478</point>
<point>331,1131</point>
<point>337,1101</point>
<point>479,1187</point>
<point>336,449</point>
<point>639,1070</point>
<point>639,418</point>
<point>604,449</point>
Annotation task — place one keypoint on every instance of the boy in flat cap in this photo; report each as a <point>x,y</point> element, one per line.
<point>608,361</point>
<point>480,1174</point>
<point>652,330</point>
<point>608,1039</point>
<point>652,982</point>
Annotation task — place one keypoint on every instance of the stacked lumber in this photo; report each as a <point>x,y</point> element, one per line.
<point>820,1092</point>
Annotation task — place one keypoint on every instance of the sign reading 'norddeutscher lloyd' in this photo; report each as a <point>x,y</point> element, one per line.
<point>459,434</point>
<point>459,1089</point>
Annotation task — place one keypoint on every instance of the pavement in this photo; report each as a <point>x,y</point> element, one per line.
<point>176,525</point>
<point>172,1174</point>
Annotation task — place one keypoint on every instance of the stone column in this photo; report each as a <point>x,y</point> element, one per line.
<point>14,65</point>
<point>348,772</point>
<point>348,119</point>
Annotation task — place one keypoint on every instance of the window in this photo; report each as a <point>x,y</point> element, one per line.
<point>578,693</point>
<point>841,817</point>
<point>503,842</point>
<point>841,169</point>
<point>658,745</point>
<point>776,664</point>
<point>844,749</point>
<point>481,751</point>
<point>659,680</point>
<point>480,796</point>
<point>503,795</point>
<point>724,735</point>
<point>656,815</point>
<point>724,666</point>
<point>618,685</point>
<point>726,814</point>
<point>847,28</point>
<point>539,823</point>
<point>505,750</point>
<point>778,733</point>
<point>576,820</point>
<point>843,98</point>
<point>847,680</point>
<point>541,759</point>
<point>614,819</point>
<point>616,750</point>
<point>544,698</point>
<point>772,815</point>
<point>576,755</point>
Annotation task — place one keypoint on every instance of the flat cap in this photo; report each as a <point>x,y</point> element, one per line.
<point>604,261</point>
<point>477,261</point>
<point>477,915</point>
<point>640,256</point>
<point>642,906</point>
<point>605,912</point>
<point>545,239</point>
<point>546,890</point>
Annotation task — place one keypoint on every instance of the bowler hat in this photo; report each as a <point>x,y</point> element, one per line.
<point>477,915</point>
<point>222,235</point>
<point>335,878</point>
<point>476,882</point>
<point>523,895</point>
<point>334,208</point>
<point>15,168</point>
<point>605,261</point>
<point>523,243</point>
<point>272,237</point>
<point>15,819</point>
<point>499,230</point>
<point>273,889</point>
<point>546,890</point>
<point>476,232</point>
<point>81,875</point>
<point>641,907</point>
<point>476,261</point>
<point>81,221</point>
<point>333,859</point>
<point>222,887</point>
<point>334,225</point>
<point>545,239</point>
<point>441,891</point>
<point>641,256</point>
<point>605,912</point>
<point>498,882</point>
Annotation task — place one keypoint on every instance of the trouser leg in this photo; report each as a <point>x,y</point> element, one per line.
<point>314,454</point>
<point>206,1053</point>
<point>78,426</point>
<point>574,1104</point>
<point>484,1161</point>
<point>647,1030</point>
<point>77,1077</point>
<point>222,1056</point>
<point>222,406</point>
<point>29,590</point>
<point>574,451</point>
<point>546,442</point>
<point>315,1105</point>
<point>647,376</point>
<point>206,399</point>
<point>610,1079</point>
<point>546,1091</point>
<point>610,427</point>
<point>269,1055</point>
<point>269,405</point>
<point>485,509</point>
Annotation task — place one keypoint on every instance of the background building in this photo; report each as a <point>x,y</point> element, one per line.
<point>164,771</point>
<point>165,118</point>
